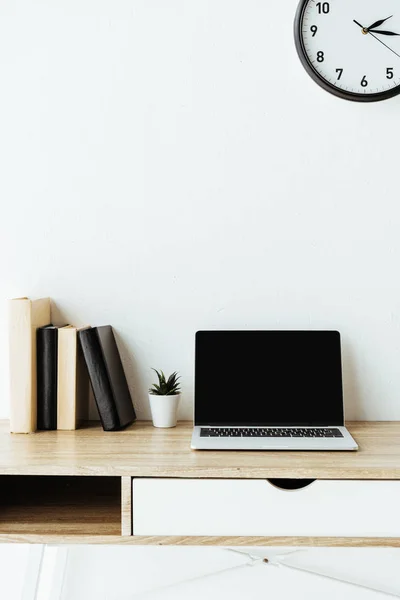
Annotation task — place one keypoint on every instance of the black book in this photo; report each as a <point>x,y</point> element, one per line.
<point>107,377</point>
<point>46,351</point>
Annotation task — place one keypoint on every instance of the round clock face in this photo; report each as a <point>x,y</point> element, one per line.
<point>351,48</point>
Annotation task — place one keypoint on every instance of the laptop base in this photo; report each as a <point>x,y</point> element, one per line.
<point>318,444</point>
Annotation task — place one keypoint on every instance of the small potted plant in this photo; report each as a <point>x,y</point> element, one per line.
<point>164,399</point>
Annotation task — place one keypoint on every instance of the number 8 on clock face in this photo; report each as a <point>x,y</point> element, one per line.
<point>351,48</point>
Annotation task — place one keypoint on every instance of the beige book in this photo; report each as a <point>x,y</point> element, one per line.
<point>25,316</point>
<point>72,380</point>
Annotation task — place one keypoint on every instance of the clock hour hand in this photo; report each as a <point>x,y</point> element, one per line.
<point>378,23</point>
<point>383,32</point>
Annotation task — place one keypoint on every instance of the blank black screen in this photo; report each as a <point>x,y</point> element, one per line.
<point>268,378</point>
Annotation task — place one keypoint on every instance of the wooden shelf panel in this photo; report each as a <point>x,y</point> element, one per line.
<point>32,505</point>
<point>126,505</point>
<point>323,542</point>
<point>144,451</point>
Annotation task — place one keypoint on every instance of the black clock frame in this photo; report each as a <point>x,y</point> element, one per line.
<point>301,51</point>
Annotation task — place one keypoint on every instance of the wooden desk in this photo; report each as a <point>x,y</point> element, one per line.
<point>75,486</point>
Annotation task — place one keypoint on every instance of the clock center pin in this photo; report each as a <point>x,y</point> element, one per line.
<point>364,31</point>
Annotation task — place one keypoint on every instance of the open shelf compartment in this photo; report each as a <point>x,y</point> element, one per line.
<point>60,505</point>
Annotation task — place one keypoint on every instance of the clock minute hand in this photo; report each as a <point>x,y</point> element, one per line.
<point>378,23</point>
<point>383,32</point>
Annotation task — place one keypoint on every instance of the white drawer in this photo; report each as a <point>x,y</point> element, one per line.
<point>255,507</point>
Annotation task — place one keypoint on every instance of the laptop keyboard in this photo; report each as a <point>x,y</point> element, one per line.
<point>258,432</point>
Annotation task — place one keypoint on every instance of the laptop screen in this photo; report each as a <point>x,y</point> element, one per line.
<point>268,378</point>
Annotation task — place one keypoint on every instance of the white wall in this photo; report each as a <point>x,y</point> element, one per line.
<point>168,166</point>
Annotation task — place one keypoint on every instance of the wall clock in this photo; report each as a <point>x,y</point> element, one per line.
<point>351,48</point>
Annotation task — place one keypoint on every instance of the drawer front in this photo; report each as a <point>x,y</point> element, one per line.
<point>241,507</point>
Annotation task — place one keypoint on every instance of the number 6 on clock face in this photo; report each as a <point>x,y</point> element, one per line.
<point>351,48</point>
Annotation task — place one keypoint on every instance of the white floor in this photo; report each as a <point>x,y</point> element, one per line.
<point>19,571</point>
<point>155,573</point>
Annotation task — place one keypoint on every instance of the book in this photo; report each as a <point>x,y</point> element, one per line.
<point>107,377</point>
<point>47,357</point>
<point>25,316</point>
<point>72,380</point>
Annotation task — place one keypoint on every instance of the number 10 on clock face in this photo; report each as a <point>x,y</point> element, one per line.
<point>351,48</point>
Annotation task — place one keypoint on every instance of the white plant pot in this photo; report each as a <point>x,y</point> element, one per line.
<point>164,410</point>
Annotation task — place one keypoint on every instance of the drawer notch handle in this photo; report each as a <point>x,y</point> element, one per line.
<point>291,484</point>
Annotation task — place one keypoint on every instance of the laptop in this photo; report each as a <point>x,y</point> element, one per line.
<point>269,390</point>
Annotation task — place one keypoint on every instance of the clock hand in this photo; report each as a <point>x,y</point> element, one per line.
<point>378,23</point>
<point>380,41</point>
<point>383,32</point>
<point>365,31</point>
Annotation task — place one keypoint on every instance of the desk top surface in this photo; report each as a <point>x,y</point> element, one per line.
<point>144,451</point>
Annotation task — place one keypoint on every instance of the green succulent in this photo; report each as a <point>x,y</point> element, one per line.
<point>165,387</point>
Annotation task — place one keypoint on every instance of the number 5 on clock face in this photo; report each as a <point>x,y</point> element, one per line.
<point>351,48</point>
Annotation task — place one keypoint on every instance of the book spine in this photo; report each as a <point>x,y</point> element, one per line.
<point>66,379</point>
<point>99,379</point>
<point>46,345</point>
<point>22,412</point>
